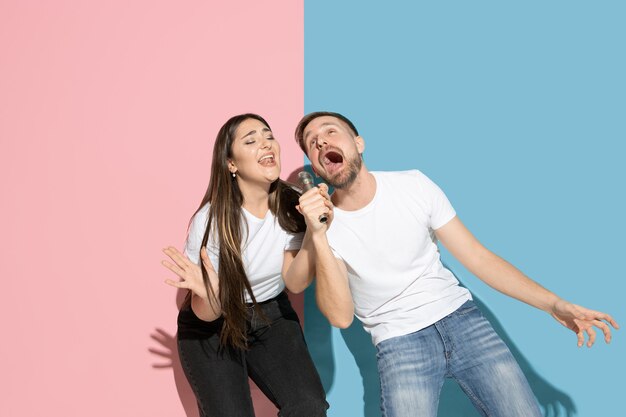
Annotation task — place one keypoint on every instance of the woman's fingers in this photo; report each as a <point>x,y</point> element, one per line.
<point>177,284</point>
<point>174,268</point>
<point>180,259</point>
<point>206,261</point>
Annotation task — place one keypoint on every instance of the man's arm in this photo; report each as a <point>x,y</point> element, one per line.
<point>299,266</point>
<point>504,277</point>
<point>332,291</point>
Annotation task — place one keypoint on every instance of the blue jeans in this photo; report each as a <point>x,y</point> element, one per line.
<point>462,346</point>
<point>277,360</point>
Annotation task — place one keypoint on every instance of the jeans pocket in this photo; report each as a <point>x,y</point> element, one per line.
<point>467,308</point>
<point>191,326</point>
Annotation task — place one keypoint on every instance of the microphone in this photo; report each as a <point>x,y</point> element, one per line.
<point>305,180</point>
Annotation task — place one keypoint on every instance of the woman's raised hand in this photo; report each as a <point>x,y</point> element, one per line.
<point>189,273</point>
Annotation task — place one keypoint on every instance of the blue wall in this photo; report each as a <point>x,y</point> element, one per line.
<point>517,110</point>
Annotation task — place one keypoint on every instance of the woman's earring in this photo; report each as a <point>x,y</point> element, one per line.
<point>234,175</point>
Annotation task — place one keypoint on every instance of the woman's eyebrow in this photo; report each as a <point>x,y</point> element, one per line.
<point>252,132</point>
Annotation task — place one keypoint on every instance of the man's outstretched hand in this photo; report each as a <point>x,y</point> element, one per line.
<point>582,320</point>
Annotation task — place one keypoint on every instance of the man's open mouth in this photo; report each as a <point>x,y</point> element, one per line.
<point>332,161</point>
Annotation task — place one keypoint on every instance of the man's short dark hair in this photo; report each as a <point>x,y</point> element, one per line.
<point>312,116</point>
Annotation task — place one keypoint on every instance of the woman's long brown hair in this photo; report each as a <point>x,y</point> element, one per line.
<point>225,219</point>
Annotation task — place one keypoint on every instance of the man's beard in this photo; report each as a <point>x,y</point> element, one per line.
<point>347,175</point>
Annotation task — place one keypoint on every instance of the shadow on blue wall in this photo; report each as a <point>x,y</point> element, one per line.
<point>453,401</point>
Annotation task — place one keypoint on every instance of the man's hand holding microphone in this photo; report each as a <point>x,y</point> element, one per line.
<point>315,204</point>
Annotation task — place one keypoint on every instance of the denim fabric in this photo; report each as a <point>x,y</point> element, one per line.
<point>277,361</point>
<point>462,346</point>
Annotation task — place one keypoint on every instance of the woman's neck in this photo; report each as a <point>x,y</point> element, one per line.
<point>255,199</point>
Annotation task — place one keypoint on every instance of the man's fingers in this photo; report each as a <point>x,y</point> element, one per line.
<point>315,210</point>
<point>313,203</point>
<point>598,315</point>
<point>310,193</point>
<point>308,199</point>
<point>324,190</point>
<point>592,336</point>
<point>318,211</point>
<point>314,194</point>
<point>606,330</point>
<point>607,318</point>
<point>581,338</point>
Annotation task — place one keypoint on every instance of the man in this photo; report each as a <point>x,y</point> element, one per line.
<point>379,260</point>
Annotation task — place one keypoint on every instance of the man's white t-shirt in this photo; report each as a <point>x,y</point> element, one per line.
<point>396,277</point>
<point>263,248</point>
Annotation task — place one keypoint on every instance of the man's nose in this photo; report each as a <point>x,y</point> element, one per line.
<point>321,142</point>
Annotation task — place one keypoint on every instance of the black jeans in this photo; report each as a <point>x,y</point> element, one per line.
<point>277,360</point>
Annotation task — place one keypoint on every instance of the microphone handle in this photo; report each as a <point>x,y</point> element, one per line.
<point>306,186</point>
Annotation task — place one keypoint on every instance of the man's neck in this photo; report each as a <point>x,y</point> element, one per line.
<point>358,194</point>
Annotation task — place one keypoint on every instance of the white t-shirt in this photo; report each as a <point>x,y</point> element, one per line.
<point>263,250</point>
<point>396,277</point>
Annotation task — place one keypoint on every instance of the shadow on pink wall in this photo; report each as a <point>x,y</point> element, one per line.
<point>167,359</point>
<point>166,355</point>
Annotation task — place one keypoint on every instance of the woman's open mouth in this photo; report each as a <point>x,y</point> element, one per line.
<point>267,160</point>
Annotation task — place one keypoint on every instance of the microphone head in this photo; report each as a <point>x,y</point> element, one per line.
<point>305,180</point>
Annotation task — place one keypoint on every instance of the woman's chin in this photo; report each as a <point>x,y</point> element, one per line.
<point>273,175</point>
<point>272,178</point>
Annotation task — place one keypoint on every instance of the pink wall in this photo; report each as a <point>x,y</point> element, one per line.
<point>107,115</point>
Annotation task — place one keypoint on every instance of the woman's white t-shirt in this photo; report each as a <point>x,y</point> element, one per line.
<point>263,249</point>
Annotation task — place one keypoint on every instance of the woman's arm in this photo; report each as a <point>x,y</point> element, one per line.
<point>504,277</point>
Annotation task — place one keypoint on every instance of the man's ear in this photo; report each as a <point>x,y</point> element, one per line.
<point>360,144</point>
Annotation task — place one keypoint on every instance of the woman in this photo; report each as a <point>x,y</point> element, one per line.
<point>237,320</point>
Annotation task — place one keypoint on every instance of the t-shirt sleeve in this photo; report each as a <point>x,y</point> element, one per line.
<point>196,233</point>
<point>441,210</point>
<point>336,254</point>
<point>294,241</point>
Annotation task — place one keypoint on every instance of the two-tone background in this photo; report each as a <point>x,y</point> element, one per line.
<point>108,112</point>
